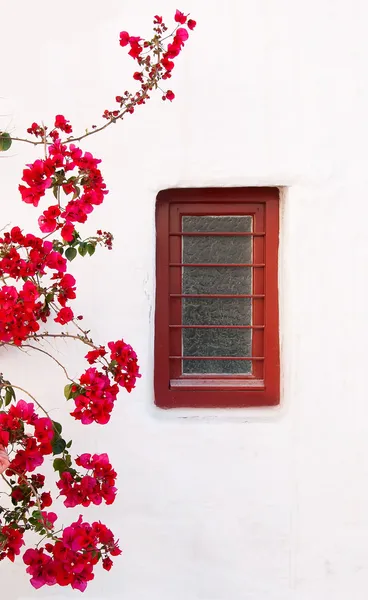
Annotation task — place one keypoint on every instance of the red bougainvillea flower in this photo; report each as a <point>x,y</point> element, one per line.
<point>62,124</point>
<point>170,95</point>
<point>135,49</point>
<point>180,17</point>
<point>45,499</point>
<point>191,23</point>
<point>93,355</point>
<point>93,488</point>
<point>71,558</point>
<point>38,177</point>
<point>96,399</point>
<point>67,232</point>
<point>124,38</point>
<point>36,130</point>
<point>182,35</point>
<point>18,312</point>
<point>124,365</point>
<point>65,315</point>
<point>48,220</point>
<point>11,542</point>
<point>66,289</point>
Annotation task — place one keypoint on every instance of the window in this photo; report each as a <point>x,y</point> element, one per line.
<point>216,325</point>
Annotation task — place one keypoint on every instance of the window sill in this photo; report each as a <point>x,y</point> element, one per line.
<point>192,383</point>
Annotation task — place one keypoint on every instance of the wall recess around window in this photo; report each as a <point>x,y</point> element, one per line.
<point>216,323</point>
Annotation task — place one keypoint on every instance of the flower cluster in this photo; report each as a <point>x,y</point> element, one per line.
<point>86,186</point>
<point>32,448</point>
<point>95,394</point>
<point>70,559</point>
<point>94,487</point>
<point>11,541</point>
<point>94,398</point>
<point>36,286</point>
<point>27,257</point>
<point>124,364</point>
<point>155,61</point>
<point>18,312</point>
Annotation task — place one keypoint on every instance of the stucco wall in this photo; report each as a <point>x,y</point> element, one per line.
<point>241,505</point>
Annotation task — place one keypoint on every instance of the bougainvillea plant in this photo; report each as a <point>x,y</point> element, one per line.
<point>36,287</point>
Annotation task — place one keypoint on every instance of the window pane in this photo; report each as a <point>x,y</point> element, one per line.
<point>217,342</point>
<point>217,224</point>
<point>217,280</point>
<point>217,249</point>
<point>217,311</point>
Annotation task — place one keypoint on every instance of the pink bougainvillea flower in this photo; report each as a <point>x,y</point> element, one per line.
<point>182,34</point>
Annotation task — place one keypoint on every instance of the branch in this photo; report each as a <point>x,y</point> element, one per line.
<point>48,354</point>
<point>65,336</point>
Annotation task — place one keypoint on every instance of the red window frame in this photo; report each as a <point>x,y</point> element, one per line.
<point>262,387</point>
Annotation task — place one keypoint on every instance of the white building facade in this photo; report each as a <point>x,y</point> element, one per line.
<point>237,504</point>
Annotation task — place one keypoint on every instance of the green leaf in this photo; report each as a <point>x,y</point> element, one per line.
<point>69,444</point>
<point>9,395</point>
<point>67,391</point>
<point>70,253</point>
<point>91,248</point>
<point>57,427</point>
<point>58,446</point>
<point>83,249</point>
<point>76,192</point>
<point>55,191</point>
<point>60,465</point>
<point>5,141</point>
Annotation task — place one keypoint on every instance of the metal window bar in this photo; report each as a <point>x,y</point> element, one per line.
<point>254,266</point>
<point>181,357</point>
<point>261,265</point>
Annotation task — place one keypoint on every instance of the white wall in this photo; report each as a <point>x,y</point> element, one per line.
<point>266,505</point>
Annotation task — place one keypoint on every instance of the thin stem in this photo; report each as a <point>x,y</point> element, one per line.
<point>48,354</point>
<point>37,500</point>
<point>17,387</point>
<point>63,335</point>
<point>69,140</point>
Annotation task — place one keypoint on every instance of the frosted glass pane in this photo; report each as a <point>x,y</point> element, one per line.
<point>217,342</point>
<point>217,280</point>
<point>216,249</point>
<point>217,223</point>
<point>217,367</point>
<point>217,311</point>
